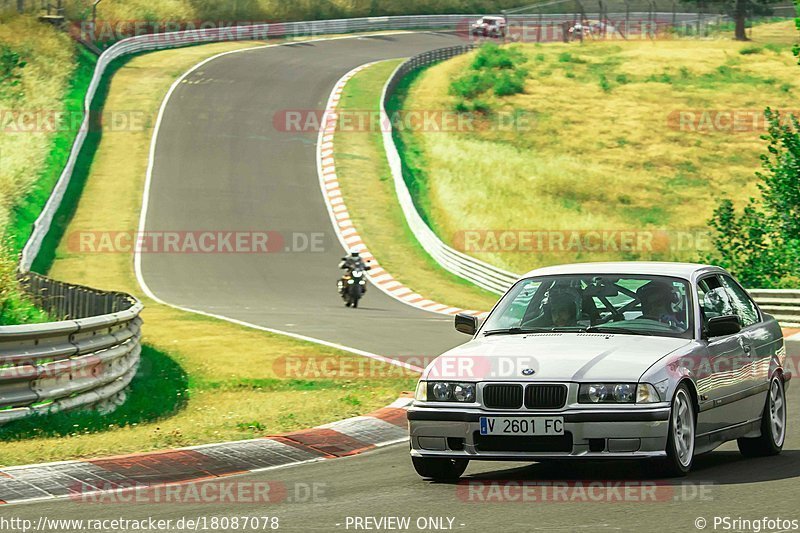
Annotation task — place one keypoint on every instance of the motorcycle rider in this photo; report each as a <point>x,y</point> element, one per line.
<point>349,263</point>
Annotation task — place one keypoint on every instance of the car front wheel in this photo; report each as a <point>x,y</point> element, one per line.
<point>680,440</point>
<point>773,424</point>
<point>439,468</point>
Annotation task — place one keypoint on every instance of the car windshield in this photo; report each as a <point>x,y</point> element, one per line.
<point>626,304</point>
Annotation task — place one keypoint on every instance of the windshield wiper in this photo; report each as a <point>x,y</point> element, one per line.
<point>612,329</point>
<point>519,331</point>
<point>515,331</point>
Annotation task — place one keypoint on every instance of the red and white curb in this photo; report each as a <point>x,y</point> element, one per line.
<point>340,217</point>
<point>76,479</point>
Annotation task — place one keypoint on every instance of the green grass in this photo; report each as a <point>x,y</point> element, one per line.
<point>44,73</point>
<point>606,148</point>
<point>15,306</point>
<point>28,209</point>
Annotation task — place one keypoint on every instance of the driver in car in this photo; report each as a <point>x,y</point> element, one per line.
<point>656,298</point>
<point>564,306</point>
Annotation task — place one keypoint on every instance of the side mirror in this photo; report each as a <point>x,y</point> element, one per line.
<point>719,326</point>
<point>466,324</point>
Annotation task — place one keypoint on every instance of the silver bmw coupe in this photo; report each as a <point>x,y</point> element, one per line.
<point>658,361</point>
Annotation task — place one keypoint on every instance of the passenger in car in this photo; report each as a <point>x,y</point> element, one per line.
<point>656,298</point>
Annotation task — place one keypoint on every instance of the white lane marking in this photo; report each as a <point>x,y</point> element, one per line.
<point>137,258</point>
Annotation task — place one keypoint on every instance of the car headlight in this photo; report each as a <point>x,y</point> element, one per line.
<point>445,391</point>
<point>617,393</point>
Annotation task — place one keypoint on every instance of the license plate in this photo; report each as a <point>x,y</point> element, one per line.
<point>515,425</point>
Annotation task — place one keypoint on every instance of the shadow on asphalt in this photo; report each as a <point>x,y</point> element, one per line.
<point>379,37</point>
<point>721,467</point>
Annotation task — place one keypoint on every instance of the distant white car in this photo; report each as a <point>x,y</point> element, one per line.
<point>489,27</point>
<point>658,361</point>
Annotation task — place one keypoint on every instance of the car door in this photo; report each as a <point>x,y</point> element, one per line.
<point>723,374</point>
<point>757,344</point>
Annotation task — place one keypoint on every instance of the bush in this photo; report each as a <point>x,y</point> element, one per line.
<point>566,57</point>
<point>750,50</point>
<point>604,84</point>
<point>471,84</point>
<point>507,84</point>
<point>494,68</point>
<point>491,56</point>
<point>11,65</point>
<point>761,245</point>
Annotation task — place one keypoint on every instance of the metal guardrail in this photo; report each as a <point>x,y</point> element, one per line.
<point>478,272</point>
<point>783,304</point>
<point>85,359</point>
<point>144,43</point>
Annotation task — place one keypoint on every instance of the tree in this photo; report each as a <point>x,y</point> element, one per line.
<point>797,25</point>
<point>740,11</point>
<point>762,244</point>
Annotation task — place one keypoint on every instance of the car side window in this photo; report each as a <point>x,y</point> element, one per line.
<point>742,304</point>
<point>714,300</point>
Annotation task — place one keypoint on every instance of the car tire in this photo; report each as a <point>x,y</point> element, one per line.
<point>681,435</point>
<point>439,468</point>
<point>773,424</point>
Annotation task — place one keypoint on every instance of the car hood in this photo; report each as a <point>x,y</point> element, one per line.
<point>553,357</point>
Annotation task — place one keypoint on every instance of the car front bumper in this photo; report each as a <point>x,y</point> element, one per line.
<point>588,434</point>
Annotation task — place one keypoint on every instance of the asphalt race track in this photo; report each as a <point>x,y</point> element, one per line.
<point>220,165</point>
<point>382,484</point>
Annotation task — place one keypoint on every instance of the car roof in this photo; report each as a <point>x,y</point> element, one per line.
<point>688,271</point>
<point>493,17</point>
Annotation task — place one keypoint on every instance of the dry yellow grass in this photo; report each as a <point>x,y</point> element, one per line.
<point>230,390</point>
<point>613,159</point>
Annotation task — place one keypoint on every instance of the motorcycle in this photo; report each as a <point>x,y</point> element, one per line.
<point>352,287</point>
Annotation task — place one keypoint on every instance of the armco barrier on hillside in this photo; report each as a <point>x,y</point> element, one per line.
<point>783,304</point>
<point>85,359</point>
<point>145,43</point>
